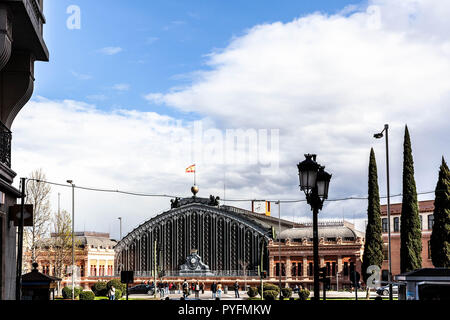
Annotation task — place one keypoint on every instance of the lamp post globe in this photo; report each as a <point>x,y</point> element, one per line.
<point>307,172</point>
<point>323,183</point>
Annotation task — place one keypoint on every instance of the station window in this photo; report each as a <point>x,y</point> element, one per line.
<point>384,225</point>
<point>430,221</point>
<point>396,224</point>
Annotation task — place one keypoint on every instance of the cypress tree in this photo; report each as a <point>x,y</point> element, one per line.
<point>440,237</point>
<point>373,247</point>
<point>410,231</point>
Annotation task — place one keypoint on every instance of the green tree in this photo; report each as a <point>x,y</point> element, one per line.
<point>410,231</point>
<point>373,247</point>
<point>440,237</point>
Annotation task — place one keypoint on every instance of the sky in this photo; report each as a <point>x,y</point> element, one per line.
<point>136,92</point>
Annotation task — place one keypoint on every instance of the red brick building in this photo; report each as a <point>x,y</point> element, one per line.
<point>426,209</point>
<point>341,247</point>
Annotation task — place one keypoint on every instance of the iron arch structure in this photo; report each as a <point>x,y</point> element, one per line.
<point>228,241</point>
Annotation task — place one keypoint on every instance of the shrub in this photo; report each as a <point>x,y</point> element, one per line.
<point>286,293</point>
<point>117,284</point>
<point>270,294</point>
<point>67,292</point>
<point>100,289</point>
<point>118,294</point>
<point>268,287</point>
<point>252,292</point>
<point>303,294</point>
<point>87,295</point>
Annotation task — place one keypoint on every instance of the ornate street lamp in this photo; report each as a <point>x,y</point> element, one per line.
<point>314,181</point>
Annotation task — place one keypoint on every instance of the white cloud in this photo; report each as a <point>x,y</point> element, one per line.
<point>121,87</point>
<point>81,76</point>
<point>328,82</point>
<point>109,51</point>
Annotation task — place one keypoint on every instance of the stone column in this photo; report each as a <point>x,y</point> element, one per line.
<point>271,267</point>
<point>339,264</point>
<point>288,267</point>
<point>305,266</point>
<point>339,272</point>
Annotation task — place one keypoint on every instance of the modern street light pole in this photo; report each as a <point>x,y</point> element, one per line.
<point>379,136</point>
<point>73,236</point>
<point>314,181</point>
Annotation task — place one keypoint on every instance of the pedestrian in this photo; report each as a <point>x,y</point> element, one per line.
<point>161,290</point>
<point>219,290</point>
<point>112,293</point>
<point>202,287</point>
<point>214,290</point>
<point>197,291</point>
<point>236,289</point>
<point>185,289</point>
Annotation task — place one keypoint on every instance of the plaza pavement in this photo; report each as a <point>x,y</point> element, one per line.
<point>243,295</point>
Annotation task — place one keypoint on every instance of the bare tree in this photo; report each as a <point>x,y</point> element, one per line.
<point>61,242</point>
<point>38,195</point>
<point>244,265</point>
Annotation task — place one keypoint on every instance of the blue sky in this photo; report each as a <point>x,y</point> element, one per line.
<point>161,43</point>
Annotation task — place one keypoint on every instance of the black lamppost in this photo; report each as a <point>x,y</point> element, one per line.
<point>314,181</point>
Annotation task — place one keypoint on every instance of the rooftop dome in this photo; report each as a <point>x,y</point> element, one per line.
<point>327,230</point>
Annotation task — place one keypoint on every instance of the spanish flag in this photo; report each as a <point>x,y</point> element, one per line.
<point>190,169</point>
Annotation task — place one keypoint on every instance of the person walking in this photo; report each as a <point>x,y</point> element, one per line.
<point>185,289</point>
<point>161,290</point>
<point>214,290</point>
<point>236,289</point>
<point>197,291</point>
<point>219,290</point>
<point>202,287</point>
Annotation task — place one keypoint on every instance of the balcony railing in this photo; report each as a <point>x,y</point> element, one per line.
<point>5,145</point>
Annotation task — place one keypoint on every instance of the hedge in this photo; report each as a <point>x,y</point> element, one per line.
<point>118,294</point>
<point>67,292</point>
<point>303,294</point>
<point>286,293</point>
<point>87,295</point>
<point>100,289</point>
<point>252,292</point>
<point>269,286</point>
<point>270,294</point>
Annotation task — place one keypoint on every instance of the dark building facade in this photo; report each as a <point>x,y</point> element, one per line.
<point>229,241</point>
<point>21,44</point>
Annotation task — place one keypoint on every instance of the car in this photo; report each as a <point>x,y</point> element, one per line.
<point>141,289</point>
<point>384,290</point>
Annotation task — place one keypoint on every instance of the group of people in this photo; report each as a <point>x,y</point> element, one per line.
<point>195,287</point>
<point>164,288</point>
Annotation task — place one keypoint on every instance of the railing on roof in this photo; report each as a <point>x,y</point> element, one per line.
<point>325,224</point>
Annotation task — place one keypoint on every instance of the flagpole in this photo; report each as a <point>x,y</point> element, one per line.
<point>195,175</point>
